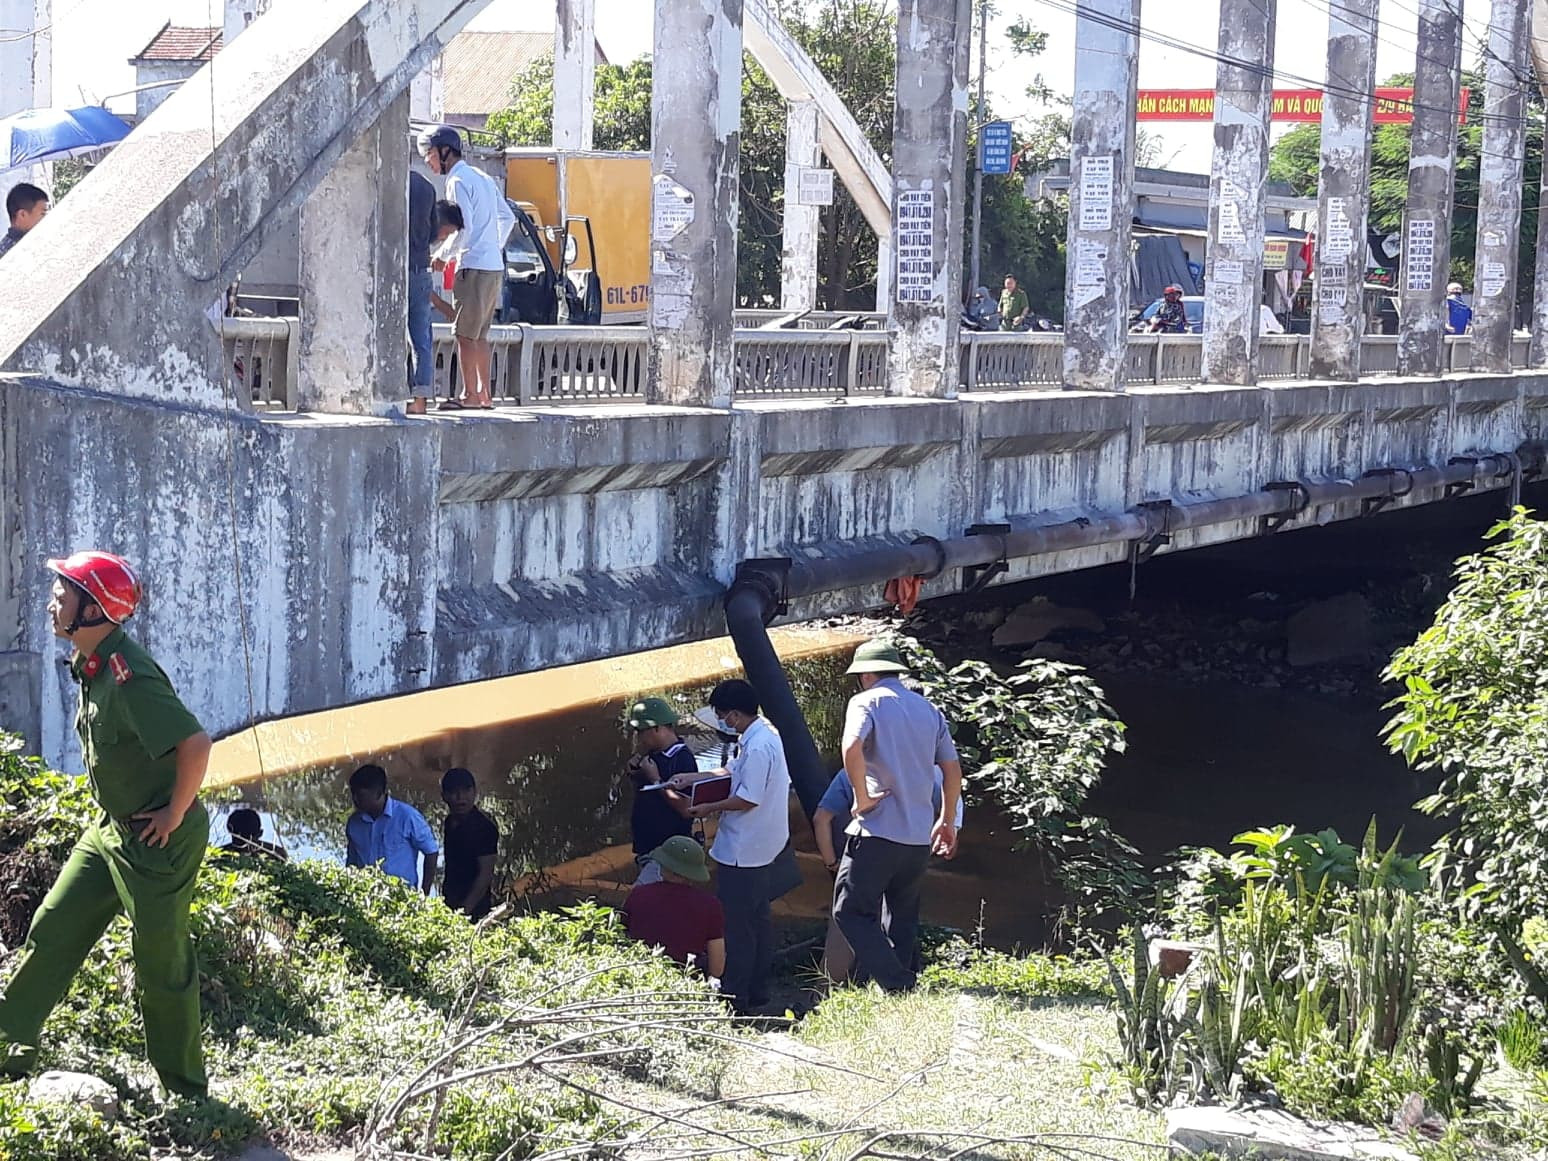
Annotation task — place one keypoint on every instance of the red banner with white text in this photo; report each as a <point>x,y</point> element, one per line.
<point>1393,106</point>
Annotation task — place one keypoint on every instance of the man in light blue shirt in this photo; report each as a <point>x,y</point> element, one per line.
<point>388,834</point>
<point>893,740</point>
<point>487,220</point>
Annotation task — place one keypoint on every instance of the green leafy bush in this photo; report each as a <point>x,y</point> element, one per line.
<point>959,965</point>
<point>1474,713</point>
<point>1037,742</point>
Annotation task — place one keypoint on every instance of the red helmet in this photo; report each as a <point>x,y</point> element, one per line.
<point>105,578</point>
<point>1171,290</point>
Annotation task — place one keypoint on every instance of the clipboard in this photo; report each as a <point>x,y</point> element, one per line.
<point>708,790</point>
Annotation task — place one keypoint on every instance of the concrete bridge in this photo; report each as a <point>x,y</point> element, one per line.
<point>306,545</point>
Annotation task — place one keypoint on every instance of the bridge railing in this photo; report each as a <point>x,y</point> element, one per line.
<point>817,320</point>
<point>260,355</point>
<point>578,365</point>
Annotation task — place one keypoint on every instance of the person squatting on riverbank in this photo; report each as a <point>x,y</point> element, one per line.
<point>674,914</point>
<point>246,831</point>
<point>145,758</point>
<point>659,812</point>
<point>754,826</point>
<point>893,740</point>
<point>471,841</point>
<point>386,833</point>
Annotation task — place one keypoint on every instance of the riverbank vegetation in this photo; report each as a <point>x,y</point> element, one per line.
<point>1361,980</point>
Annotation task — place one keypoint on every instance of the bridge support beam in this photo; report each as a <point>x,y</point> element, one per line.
<point>929,140</point>
<point>1432,165</point>
<point>575,72</point>
<point>696,113</point>
<point>1233,260</point>
<point>1343,195</point>
<point>1096,284</point>
<point>354,276</point>
<point>802,223</point>
<point>1499,185</point>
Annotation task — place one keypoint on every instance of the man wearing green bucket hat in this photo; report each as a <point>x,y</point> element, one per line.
<point>673,914</point>
<point>893,740</point>
<point>659,812</point>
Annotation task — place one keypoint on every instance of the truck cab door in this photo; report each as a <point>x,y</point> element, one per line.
<point>583,282</point>
<point>531,282</point>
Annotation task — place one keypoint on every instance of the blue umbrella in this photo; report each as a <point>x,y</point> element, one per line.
<point>50,134</point>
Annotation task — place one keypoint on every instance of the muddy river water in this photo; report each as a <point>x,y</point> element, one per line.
<point>1204,762</point>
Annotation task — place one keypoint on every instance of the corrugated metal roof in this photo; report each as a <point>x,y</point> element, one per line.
<point>478,68</point>
<point>181,44</point>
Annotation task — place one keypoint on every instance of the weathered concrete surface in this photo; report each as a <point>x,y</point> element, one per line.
<point>1233,262</point>
<point>1499,184</point>
<point>802,224</point>
<point>575,72</point>
<point>1275,1135</point>
<point>1432,163</point>
<point>696,114</point>
<point>354,276</point>
<point>378,556</point>
<point>1343,191</point>
<point>188,198</point>
<point>928,154</point>
<point>1102,132</point>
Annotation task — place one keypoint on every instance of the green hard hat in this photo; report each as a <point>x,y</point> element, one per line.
<point>650,712</point>
<point>681,855</point>
<point>878,656</point>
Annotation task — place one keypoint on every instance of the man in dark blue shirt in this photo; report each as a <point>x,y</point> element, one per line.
<point>659,812</point>
<point>421,232</point>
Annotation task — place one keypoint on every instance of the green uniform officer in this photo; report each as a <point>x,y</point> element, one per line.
<point>145,757</point>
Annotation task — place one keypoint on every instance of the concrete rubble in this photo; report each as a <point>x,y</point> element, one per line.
<point>1041,618</point>
<point>76,1088</point>
<point>1330,631</point>
<point>1265,1134</point>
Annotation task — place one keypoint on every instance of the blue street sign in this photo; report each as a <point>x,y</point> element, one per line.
<point>995,147</point>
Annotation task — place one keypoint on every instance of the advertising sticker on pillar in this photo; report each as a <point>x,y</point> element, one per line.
<point>671,209</point>
<point>1419,259</point>
<point>815,188</point>
<point>915,277</point>
<point>1096,194</point>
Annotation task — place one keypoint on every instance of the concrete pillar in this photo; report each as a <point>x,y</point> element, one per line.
<point>354,266</point>
<point>1096,281</point>
<point>1432,163</point>
<point>802,224</point>
<point>1343,195</point>
<point>929,139</point>
<point>1233,261</point>
<point>1499,185</point>
<point>575,72</point>
<point>696,113</point>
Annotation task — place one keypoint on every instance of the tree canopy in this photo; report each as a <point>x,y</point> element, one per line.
<point>1294,159</point>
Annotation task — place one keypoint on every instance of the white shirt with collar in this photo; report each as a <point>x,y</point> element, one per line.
<point>754,838</point>
<point>486,219</point>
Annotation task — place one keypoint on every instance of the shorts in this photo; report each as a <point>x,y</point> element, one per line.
<point>478,294</point>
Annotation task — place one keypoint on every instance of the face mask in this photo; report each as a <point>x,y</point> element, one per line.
<point>726,727</point>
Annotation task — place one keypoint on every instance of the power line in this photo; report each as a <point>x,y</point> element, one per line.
<point>1082,11</point>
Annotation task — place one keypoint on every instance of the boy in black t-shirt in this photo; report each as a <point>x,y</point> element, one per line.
<point>659,813</point>
<point>470,841</point>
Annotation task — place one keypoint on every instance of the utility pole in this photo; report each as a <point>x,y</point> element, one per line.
<point>978,176</point>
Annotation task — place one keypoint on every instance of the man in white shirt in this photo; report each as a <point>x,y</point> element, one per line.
<point>487,222</point>
<point>1268,321</point>
<point>754,826</point>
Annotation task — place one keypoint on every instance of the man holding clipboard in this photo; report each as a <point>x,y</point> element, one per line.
<point>751,800</point>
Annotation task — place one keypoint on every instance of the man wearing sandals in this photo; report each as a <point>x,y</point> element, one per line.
<point>487,222</point>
